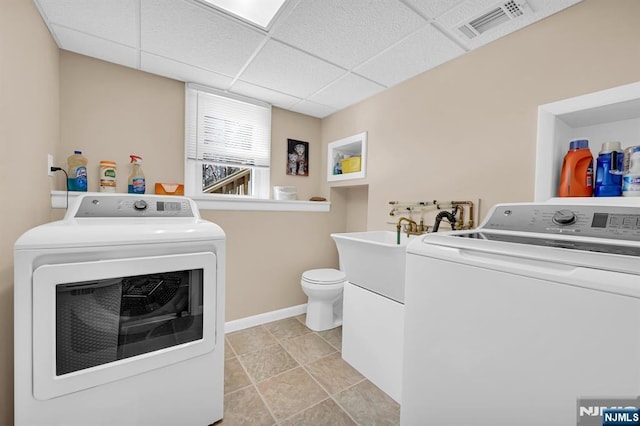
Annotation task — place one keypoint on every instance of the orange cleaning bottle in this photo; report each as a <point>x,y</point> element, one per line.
<point>576,179</point>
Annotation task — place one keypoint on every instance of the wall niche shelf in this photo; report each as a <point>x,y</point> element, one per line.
<point>349,147</point>
<point>607,115</point>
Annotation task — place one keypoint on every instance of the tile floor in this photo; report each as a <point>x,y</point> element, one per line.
<point>282,373</point>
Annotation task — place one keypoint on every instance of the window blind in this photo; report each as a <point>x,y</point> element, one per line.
<point>227,130</point>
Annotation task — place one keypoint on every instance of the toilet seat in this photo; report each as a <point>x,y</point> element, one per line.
<point>325,276</point>
<point>323,288</point>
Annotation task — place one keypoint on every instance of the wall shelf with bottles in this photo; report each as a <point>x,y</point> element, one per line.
<point>607,115</point>
<point>347,158</point>
<point>62,199</point>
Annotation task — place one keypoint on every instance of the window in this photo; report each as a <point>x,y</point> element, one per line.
<point>227,144</point>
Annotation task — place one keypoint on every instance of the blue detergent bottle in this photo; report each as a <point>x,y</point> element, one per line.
<point>609,171</point>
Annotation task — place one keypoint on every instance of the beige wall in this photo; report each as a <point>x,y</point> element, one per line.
<point>29,130</point>
<point>289,125</point>
<point>356,209</point>
<point>110,111</point>
<point>463,130</point>
<point>266,254</point>
<point>268,251</point>
<point>467,129</point>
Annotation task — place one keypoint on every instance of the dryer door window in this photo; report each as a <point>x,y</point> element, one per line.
<point>102,321</point>
<point>98,322</point>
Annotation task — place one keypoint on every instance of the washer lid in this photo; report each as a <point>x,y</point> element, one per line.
<point>324,276</point>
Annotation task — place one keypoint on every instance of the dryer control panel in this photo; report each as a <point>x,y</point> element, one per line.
<point>615,222</point>
<point>132,205</point>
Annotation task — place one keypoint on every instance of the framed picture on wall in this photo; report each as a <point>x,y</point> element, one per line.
<point>297,158</point>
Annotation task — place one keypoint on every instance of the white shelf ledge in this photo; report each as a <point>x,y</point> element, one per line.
<point>352,146</point>
<point>607,115</point>
<point>59,201</point>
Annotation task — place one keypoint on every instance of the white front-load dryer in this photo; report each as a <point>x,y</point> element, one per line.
<point>119,315</point>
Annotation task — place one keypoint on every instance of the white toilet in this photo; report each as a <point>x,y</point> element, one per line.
<point>324,289</point>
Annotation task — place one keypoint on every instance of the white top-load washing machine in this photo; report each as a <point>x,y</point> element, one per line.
<point>531,319</point>
<point>119,315</point>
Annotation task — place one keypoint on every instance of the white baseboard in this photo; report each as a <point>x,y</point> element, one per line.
<point>242,323</point>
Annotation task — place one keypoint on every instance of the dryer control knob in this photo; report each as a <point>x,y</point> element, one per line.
<point>564,217</point>
<point>140,205</point>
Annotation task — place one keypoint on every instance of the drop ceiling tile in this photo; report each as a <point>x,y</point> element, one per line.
<point>551,6</point>
<point>346,33</point>
<point>197,35</point>
<point>114,20</point>
<point>313,109</point>
<point>423,50</point>
<point>182,72</point>
<point>465,10</point>
<point>346,91</point>
<point>288,70</point>
<point>267,95</point>
<point>384,41</point>
<point>433,8</point>
<point>96,47</point>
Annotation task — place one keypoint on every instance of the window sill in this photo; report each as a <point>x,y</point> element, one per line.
<point>58,201</point>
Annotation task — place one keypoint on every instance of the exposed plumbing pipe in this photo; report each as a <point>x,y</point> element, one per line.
<point>421,207</point>
<point>410,207</point>
<point>470,204</point>
<point>450,216</point>
<point>413,203</point>
<point>460,222</point>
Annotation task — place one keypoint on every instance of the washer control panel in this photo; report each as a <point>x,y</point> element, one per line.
<point>616,222</point>
<point>564,217</point>
<point>126,205</point>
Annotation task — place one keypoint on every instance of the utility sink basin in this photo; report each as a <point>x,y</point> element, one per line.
<point>373,260</point>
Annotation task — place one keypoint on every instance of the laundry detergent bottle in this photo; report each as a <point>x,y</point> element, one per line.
<point>576,178</point>
<point>136,178</point>
<point>77,172</point>
<point>631,180</point>
<point>609,170</point>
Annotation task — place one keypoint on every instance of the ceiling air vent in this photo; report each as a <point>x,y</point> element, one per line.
<point>499,14</point>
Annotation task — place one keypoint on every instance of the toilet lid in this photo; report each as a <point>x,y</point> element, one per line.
<point>324,276</point>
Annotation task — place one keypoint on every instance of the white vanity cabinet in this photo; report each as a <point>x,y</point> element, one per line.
<point>373,336</point>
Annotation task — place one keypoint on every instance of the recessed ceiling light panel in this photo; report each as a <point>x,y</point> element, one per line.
<point>259,12</point>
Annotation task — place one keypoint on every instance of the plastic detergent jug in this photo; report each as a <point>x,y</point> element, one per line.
<point>136,178</point>
<point>631,179</point>
<point>77,172</point>
<point>609,171</point>
<point>576,179</point>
